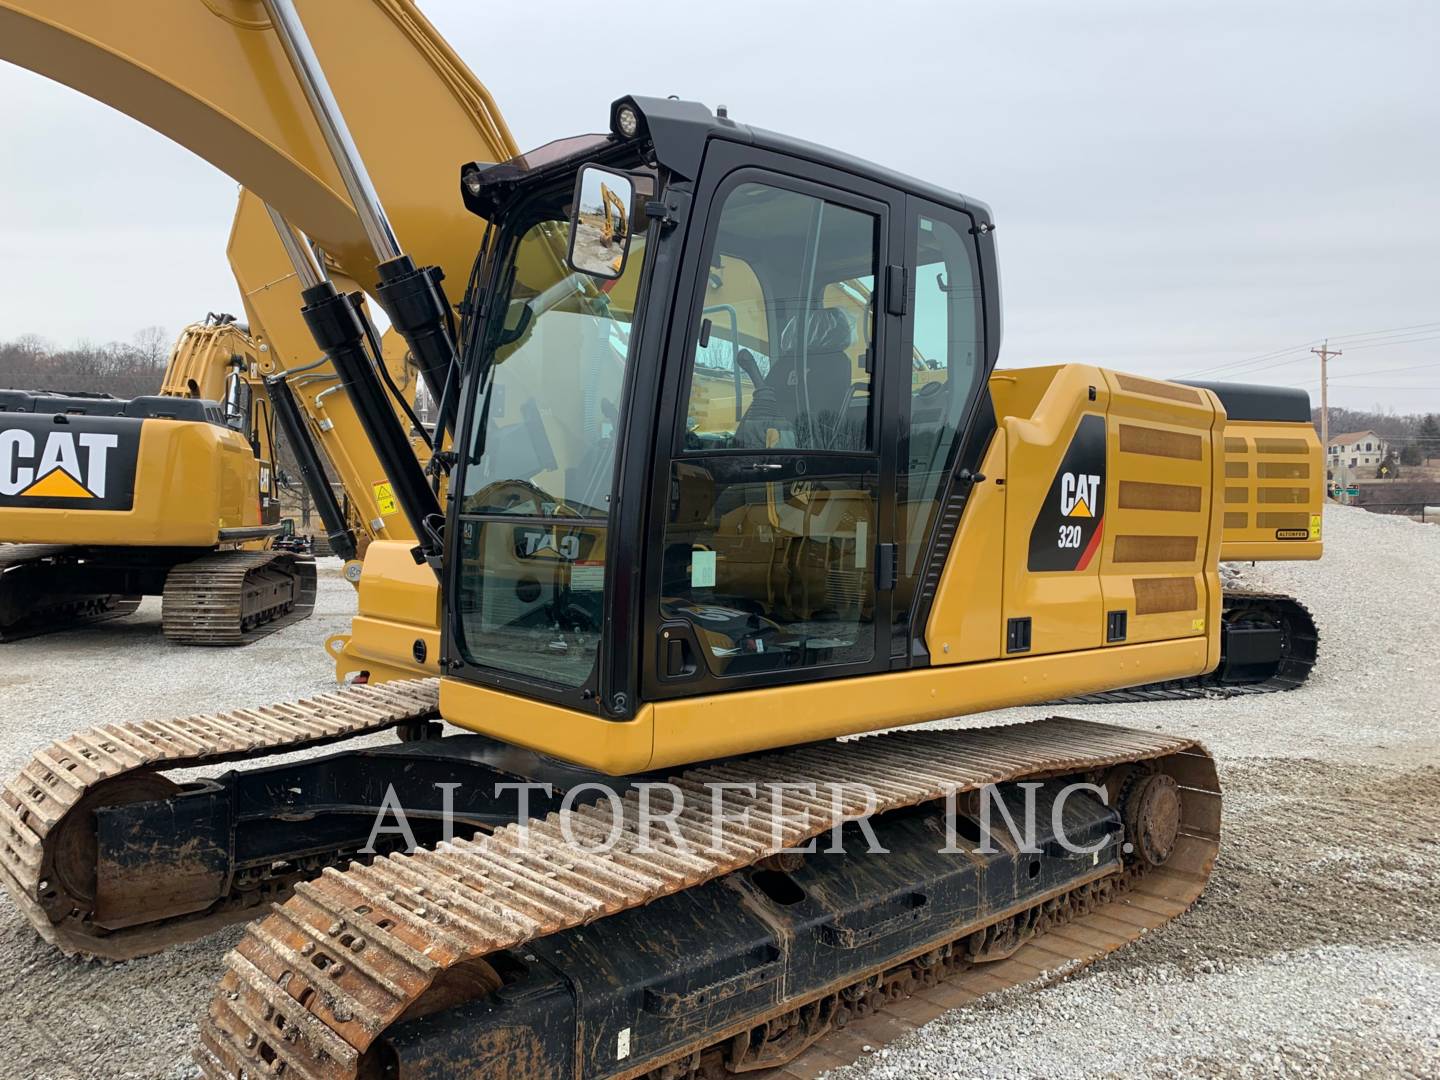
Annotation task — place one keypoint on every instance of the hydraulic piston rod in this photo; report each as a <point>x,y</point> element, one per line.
<point>306,267</point>
<point>335,321</point>
<point>411,295</point>
<point>316,87</point>
<point>312,471</point>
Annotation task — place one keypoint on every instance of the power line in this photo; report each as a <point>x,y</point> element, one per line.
<point>1301,359</point>
<point>1359,339</point>
<point>1394,341</point>
<point>1365,344</point>
<point>1249,359</point>
<point>1386,371</point>
<point>1392,386</point>
<point>1392,330</point>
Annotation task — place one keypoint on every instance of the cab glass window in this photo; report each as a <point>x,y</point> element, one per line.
<point>536,494</point>
<point>783,359</point>
<point>774,495</point>
<point>944,335</point>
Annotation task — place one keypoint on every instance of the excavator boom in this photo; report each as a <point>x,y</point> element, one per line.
<point>217,79</point>
<point>214,77</point>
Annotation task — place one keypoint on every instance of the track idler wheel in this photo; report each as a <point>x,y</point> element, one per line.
<point>1152,817</point>
<point>75,852</point>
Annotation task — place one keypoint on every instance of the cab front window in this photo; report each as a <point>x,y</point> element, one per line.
<point>539,461</point>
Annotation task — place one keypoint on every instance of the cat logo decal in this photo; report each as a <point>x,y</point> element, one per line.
<point>1078,493</point>
<point>1067,530</point>
<point>84,463</point>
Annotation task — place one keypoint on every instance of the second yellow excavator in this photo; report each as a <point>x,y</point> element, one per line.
<point>106,500</point>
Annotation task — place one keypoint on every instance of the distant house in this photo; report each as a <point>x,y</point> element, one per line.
<point>1356,450</point>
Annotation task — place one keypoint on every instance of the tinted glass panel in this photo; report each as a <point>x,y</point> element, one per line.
<point>772,519</point>
<point>540,462</point>
<point>771,574</point>
<point>783,358</point>
<point>945,334</point>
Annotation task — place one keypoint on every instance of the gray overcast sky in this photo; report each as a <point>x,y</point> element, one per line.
<point>1179,186</point>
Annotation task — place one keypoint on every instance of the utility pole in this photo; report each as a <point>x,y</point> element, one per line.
<point>1325,353</point>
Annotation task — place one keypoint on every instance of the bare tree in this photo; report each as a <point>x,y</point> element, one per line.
<point>30,363</point>
<point>154,345</point>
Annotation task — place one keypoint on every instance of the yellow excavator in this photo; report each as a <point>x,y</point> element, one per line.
<point>106,500</point>
<point>612,227</point>
<point>635,605</point>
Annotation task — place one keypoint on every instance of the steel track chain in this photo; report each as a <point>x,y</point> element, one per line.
<point>36,805</point>
<point>66,612</point>
<point>311,987</point>
<point>236,597</point>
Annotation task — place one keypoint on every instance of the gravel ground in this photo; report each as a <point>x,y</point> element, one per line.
<point>1315,952</point>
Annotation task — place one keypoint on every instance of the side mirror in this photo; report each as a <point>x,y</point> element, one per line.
<point>600,222</point>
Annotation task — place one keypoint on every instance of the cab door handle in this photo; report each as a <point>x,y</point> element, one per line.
<point>895,290</point>
<point>679,657</point>
<point>886,566</point>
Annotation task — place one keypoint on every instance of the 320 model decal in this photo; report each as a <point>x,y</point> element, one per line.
<point>1067,530</point>
<point>84,463</point>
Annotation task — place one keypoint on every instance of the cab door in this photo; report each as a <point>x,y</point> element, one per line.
<point>773,514</point>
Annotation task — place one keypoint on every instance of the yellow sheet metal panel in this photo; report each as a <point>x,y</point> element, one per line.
<point>612,746</point>
<point>399,605</point>
<point>1109,506</point>
<point>1274,491</point>
<point>1054,508</point>
<point>965,619</point>
<point>392,585</point>
<point>191,479</point>
<point>383,650</point>
<point>1017,392</point>
<point>686,730</point>
<point>1157,562</point>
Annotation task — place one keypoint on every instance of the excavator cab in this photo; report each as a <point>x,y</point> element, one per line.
<point>714,467</point>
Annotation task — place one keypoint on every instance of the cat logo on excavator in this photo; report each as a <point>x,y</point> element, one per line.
<point>48,466</point>
<point>1077,494</point>
<point>1071,520</point>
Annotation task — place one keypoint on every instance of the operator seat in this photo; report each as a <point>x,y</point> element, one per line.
<point>779,405</point>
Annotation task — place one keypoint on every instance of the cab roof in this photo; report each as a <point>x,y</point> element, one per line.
<point>680,129</point>
<point>679,132</point>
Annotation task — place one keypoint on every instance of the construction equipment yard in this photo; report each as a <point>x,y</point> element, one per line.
<point>709,642</point>
<point>1314,951</point>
